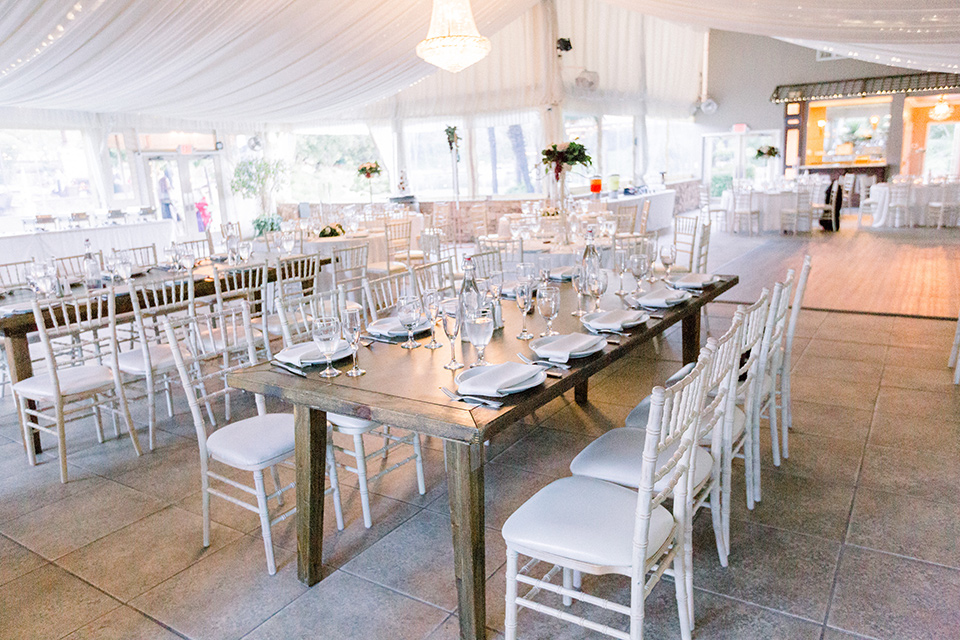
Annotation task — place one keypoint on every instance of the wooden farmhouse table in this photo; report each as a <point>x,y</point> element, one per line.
<point>15,327</point>
<point>401,388</point>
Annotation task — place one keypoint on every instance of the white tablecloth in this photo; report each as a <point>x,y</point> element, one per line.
<point>770,203</point>
<point>661,208</point>
<point>69,242</point>
<point>920,196</point>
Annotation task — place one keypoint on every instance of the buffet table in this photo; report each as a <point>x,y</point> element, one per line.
<point>69,242</point>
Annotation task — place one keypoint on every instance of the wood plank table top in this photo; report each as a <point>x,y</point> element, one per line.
<point>401,388</point>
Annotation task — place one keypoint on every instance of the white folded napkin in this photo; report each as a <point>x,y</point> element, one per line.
<point>559,350</point>
<point>616,319</point>
<point>392,328</point>
<point>301,355</point>
<point>493,379</point>
<point>510,289</point>
<point>693,280</point>
<point>561,273</point>
<point>662,298</point>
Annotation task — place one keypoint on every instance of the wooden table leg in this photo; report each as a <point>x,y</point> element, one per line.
<point>310,432</point>
<point>20,368</point>
<point>580,393</point>
<point>465,488</point>
<point>691,337</point>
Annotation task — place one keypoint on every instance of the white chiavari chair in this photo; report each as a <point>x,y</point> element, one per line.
<point>438,276</point>
<point>254,444</point>
<point>585,525</point>
<point>71,267</point>
<point>772,354</point>
<point>744,210</point>
<point>626,217</point>
<point>145,256</point>
<point>228,229</point>
<point>349,272</point>
<point>848,182</point>
<point>955,354</point>
<point>790,218</point>
<point>296,328</point>
<point>151,358</point>
<point>77,383</point>
<point>685,239</point>
<point>297,275</point>
<point>943,209</point>
<point>511,251</point>
<point>382,294</point>
<point>15,275</point>
<point>430,245</point>
<point>486,262</point>
<point>200,248</point>
<point>786,410</point>
<point>397,258</point>
<point>716,213</point>
<point>867,205</point>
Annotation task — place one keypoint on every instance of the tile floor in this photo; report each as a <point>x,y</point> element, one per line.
<point>856,536</point>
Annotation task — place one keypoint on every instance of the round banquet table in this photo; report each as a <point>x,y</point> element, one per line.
<point>920,196</point>
<point>770,204</point>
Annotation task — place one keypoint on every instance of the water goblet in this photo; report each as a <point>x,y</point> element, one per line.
<point>495,285</point>
<point>651,251</point>
<point>639,266</point>
<point>668,255</point>
<point>244,250</point>
<point>526,272</point>
<point>232,240</point>
<point>326,335</point>
<point>620,266</point>
<point>431,304</point>
<point>525,304</point>
<point>450,315</point>
<point>597,286</point>
<point>352,325</point>
<point>543,267</point>
<point>110,265</point>
<point>185,259</point>
<point>548,304</point>
<point>580,286</point>
<point>479,329</point>
<point>410,314</point>
<point>287,241</point>
<point>124,265</point>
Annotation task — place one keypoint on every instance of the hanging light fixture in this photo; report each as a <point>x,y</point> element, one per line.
<point>453,42</point>
<point>942,110</point>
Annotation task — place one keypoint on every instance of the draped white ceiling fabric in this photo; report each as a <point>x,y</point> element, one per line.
<point>926,57</point>
<point>271,61</point>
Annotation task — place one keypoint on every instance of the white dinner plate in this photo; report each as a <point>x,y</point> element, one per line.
<point>590,317</point>
<point>693,280</point>
<point>638,302</point>
<point>542,342</point>
<point>343,351</point>
<point>529,383</point>
<point>377,328</point>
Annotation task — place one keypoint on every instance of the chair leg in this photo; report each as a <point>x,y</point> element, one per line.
<point>97,417</point>
<point>725,497</point>
<point>510,615</point>
<point>680,583</point>
<point>716,514</point>
<point>955,350</point>
<point>264,521</point>
<point>756,451</point>
<point>787,411</point>
<point>124,408</point>
<point>361,459</point>
<point>386,440</point>
<point>151,412</point>
<point>25,429</point>
<point>417,451</point>
<point>688,564</point>
<point>205,504</point>
<point>168,393</point>
<point>748,459</point>
<point>275,476</point>
<point>774,431</point>
<point>61,443</point>
<point>567,584</point>
<point>334,484</point>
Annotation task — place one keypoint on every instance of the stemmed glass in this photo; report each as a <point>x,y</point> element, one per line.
<point>548,304</point>
<point>651,251</point>
<point>597,286</point>
<point>244,250</point>
<point>326,335</point>
<point>232,240</point>
<point>580,286</point>
<point>543,267</point>
<point>110,264</point>
<point>526,272</point>
<point>431,304</point>
<point>185,259</point>
<point>668,255</point>
<point>495,285</point>
<point>287,240</point>
<point>352,325</point>
<point>525,304</point>
<point>410,314</point>
<point>124,264</point>
<point>479,328</point>
<point>450,314</point>
<point>620,265</point>
<point>639,266</point>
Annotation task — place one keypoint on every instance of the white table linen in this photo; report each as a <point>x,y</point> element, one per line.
<point>69,242</point>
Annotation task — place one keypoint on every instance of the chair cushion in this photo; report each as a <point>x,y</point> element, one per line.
<point>352,304</point>
<point>253,443</point>
<point>73,380</point>
<point>616,456</point>
<point>274,327</point>
<point>132,362</point>
<point>351,425</point>
<point>384,267</point>
<point>586,520</point>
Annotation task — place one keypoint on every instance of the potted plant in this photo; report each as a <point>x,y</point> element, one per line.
<point>259,179</point>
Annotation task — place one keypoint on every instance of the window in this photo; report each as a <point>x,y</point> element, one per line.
<point>943,148</point>
<point>585,130</point>
<point>429,168</point>
<point>188,142</point>
<point>121,171</point>
<point>618,147</point>
<point>508,157</point>
<point>673,149</point>
<point>325,167</point>
<point>44,172</point>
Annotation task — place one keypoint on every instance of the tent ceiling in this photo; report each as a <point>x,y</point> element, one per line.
<point>298,61</point>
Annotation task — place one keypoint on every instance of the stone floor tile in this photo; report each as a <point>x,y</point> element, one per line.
<point>853,395</point>
<point>823,348</point>
<point>940,434</point>
<point>923,333</point>
<point>123,623</point>
<point>814,456</point>
<point>795,503</point>
<point>835,634</point>
<point>885,596</point>
<point>769,567</point>
<point>330,610</point>
<point>16,560</point>
<point>32,488</point>
<point>142,555</point>
<point>67,525</point>
<point>233,579</point>
<point>923,379</point>
<point>920,404</point>
<point>116,457</point>
<point>907,526</point>
<point>592,419</point>
<point>914,473</point>
<point>169,477</point>
<point>862,371</point>
<point>400,484</point>
<point>917,357</point>
<point>450,630</point>
<point>49,603</point>
<point>830,420</point>
<point>545,451</point>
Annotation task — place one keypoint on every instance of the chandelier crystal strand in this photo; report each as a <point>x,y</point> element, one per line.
<point>942,110</point>
<point>453,42</point>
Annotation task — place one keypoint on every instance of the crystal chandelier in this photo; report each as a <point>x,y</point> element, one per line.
<point>942,110</point>
<point>453,42</point>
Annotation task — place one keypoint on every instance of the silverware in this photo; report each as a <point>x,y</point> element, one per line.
<point>492,404</point>
<point>288,368</point>
<point>373,338</point>
<point>605,331</point>
<point>543,363</point>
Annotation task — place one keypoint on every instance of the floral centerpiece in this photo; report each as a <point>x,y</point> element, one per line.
<point>558,158</point>
<point>331,231</point>
<point>369,169</point>
<point>767,151</point>
<point>549,212</point>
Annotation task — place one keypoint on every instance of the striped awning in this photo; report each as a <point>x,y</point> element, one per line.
<point>861,87</point>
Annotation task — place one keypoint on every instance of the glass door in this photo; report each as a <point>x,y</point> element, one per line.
<point>733,156</point>
<point>185,190</point>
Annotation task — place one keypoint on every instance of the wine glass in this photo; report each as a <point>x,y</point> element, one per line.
<point>579,285</point>
<point>548,304</point>
<point>597,286</point>
<point>620,265</point>
<point>668,255</point>
<point>450,315</point>
<point>651,251</point>
<point>525,304</point>
<point>431,304</point>
<point>326,335</point>
<point>124,265</point>
<point>110,264</point>
<point>495,285</point>
<point>352,325</point>
<point>639,266</point>
<point>543,267</point>
<point>479,328</point>
<point>526,272</point>
<point>410,314</point>
<point>232,240</point>
<point>185,258</point>
<point>287,240</point>
<point>244,250</point>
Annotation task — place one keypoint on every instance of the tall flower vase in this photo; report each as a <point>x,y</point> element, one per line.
<point>560,196</point>
<point>370,187</point>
